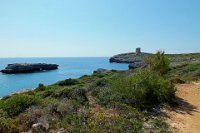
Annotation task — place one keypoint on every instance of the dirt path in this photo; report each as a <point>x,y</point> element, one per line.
<point>186,117</point>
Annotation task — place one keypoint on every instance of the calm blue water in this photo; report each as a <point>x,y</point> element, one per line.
<point>68,68</point>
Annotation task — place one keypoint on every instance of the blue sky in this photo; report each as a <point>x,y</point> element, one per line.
<point>76,28</point>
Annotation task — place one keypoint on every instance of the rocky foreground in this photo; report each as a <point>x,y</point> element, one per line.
<point>28,68</point>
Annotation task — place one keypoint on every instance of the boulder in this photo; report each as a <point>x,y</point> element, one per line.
<point>28,68</point>
<point>39,128</point>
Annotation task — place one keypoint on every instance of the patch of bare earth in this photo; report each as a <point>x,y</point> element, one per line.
<point>185,118</point>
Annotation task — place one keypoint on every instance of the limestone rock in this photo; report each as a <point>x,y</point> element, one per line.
<point>39,128</point>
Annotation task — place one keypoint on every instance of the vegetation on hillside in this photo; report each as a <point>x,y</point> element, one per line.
<point>158,63</point>
<point>106,101</point>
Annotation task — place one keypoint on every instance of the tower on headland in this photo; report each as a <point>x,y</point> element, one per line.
<point>138,51</point>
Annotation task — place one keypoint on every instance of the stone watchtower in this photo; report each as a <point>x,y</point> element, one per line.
<point>138,51</point>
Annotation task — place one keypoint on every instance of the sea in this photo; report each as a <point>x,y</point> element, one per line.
<point>71,67</point>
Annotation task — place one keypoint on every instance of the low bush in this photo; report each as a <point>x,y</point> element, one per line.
<point>186,72</point>
<point>68,82</point>
<point>127,111</point>
<point>158,63</point>
<point>100,74</point>
<point>7,125</point>
<point>106,96</point>
<point>62,93</point>
<point>41,87</point>
<point>78,94</point>
<point>31,116</point>
<point>48,92</point>
<point>102,82</point>
<point>114,124</point>
<point>144,89</point>
<point>75,122</point>
<point>62,108</point>
<point>17,104</point>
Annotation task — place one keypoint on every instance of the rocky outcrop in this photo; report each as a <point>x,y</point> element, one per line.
<point>135,60</point>
<point>28,68</point>
<point>136,65</point>
<point>129,58</point>
<point>136,56</point>
<point>100,70</point>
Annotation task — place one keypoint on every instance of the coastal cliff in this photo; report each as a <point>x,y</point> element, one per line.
<point>133,57</point>
<point>136,59</point>
<point>28,68</point>
<point>129,57</point>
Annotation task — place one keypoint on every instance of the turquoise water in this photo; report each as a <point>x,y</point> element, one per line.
<point>68,68</point>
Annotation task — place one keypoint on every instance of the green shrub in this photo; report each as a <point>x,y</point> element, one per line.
<point>17,104</point>
<point>48,92</point>
<point>7,125</point>
<point>63,93</point>
<point>100,74</point>
<point>75,122</point>
<point>31,92</point>
<point>186,72</point>
<point>114,124</point>
<point>41,87</point>
<point>106,96</point>
<point>78,94</point>
<point>144,89</point>
<point>68,114</point>
<point>158,63</point>
<point>102,82</point>
<point>68,82</point>
<point>62,108</point>
<point>127,111</point>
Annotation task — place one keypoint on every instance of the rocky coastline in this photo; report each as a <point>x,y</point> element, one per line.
<point>136,59</point>
<point>28,68</point>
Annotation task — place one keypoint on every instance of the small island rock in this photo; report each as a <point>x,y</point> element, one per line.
<point>28,68</point>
